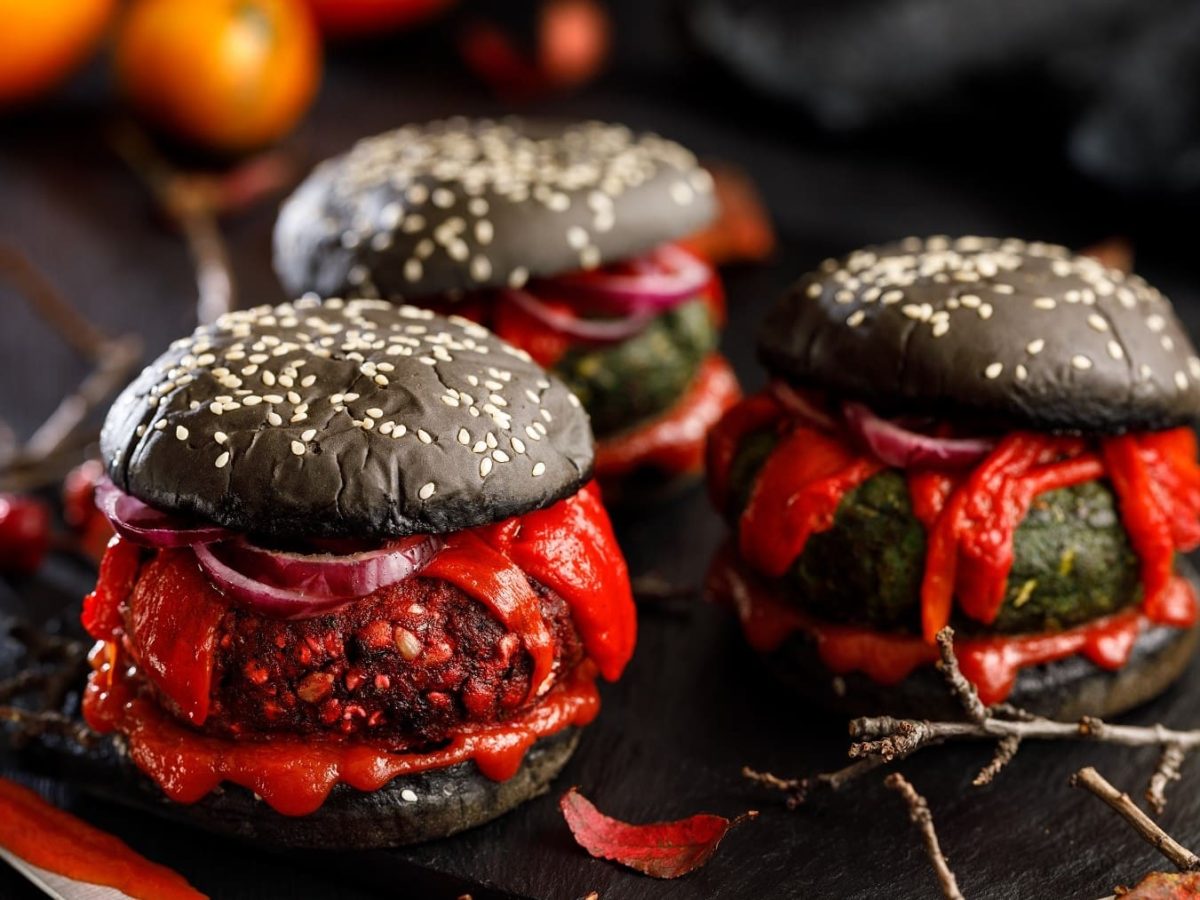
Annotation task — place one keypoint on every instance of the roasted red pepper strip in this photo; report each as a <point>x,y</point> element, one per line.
<point>571,549</point>
<point>118,571</point>
<point>173,614</point>
<point>470,563</point>
<point>796,495</point>
<point>1148,526</point>
<point>752,414</point>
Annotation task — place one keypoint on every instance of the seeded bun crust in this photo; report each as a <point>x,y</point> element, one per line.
<point>463,204</point>
<point>346,419</point>
<point>1025,334</point>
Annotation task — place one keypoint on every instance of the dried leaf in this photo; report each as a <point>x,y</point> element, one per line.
<point>660,849</point>
<point>1166,886</point>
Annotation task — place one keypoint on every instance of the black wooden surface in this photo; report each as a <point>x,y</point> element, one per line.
<point>694,705</point>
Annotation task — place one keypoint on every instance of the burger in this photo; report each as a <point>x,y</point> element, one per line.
<point>362,585</point>
<point>989,434</point>
<point>559,237</point>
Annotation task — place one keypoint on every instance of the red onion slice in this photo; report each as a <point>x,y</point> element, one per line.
<point>300,585</point>
<point>143,524</point>
<point>798,405</point>
<point>597,331</point>
<point>653,283</point>
<point>904,449</point>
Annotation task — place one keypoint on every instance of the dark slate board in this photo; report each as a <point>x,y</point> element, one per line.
<point>694,706</point>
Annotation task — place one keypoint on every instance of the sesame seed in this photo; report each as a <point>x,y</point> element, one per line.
<point>1021,372</point>
<point>855,318</point>
<point>424,436</point>
<point>181,432</point>
<point>485,467</point>
<point>1035,346</point>
<point>1081,362</point>
<point>408,795</point>
<point>539,469</point>
<point>1181,381</point>
<point>221,460</point>
<point>1115,351</point>
<point>1097,322</point>
<point>464,436</point>
<point>993,370</point>
<point>1045,303</point>
<point>220,437</point>
<point>309,434</point>
<point>425,493</point>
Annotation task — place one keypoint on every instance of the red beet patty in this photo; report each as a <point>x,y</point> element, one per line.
<point>411,663</point>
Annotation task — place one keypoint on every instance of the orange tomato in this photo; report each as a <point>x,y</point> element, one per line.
<point>230,75</point>
<point>44,41</point>
<point>345,18</point>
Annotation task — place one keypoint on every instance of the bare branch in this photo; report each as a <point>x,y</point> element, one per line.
<point>1168,770</point>
<point>963,691</point>
<point>1006,749</point>
<point>919,815</point>
<point>1181,857</point>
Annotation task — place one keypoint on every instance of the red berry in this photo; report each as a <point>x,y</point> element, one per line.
<point>24,533</point>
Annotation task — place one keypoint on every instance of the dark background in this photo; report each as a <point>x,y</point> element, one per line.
<point>997,155</point>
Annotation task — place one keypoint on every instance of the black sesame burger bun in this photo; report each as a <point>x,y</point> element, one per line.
<point>1025,334</point>
<point>464,204</point>
<point>351,419</point>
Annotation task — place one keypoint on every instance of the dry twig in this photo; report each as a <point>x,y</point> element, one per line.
<point>883,739</point>
<point>1182,858</point>
<point>919,815</point>
<point>55,445</point>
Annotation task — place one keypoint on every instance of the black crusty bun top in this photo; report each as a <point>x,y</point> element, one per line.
<point>464,204</point>
<point>1023,334</point>
<point>346,419</point>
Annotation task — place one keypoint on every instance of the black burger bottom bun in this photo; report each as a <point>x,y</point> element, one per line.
<point>1066,689</point>
<point>408,810</point>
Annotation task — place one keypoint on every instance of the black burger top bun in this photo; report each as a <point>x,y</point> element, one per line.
<point>467,204</point>
<point>1023,332</point>
<point>346,419</point>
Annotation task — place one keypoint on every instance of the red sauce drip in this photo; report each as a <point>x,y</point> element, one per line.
<point>54,840</point>
<point>970,517</point>
<point>294,776</point>
<point>570,547</point>
<point>674,442</point>
<point>990,663</point>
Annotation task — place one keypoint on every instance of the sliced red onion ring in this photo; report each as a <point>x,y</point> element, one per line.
<point>902,448</point>
<point>799,406</point>
<point>656,282</point>
<point>299,585</point>
<point>150,527</point>
<point>598,331</point>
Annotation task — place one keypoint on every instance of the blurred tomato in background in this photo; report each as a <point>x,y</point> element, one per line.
<point>44,41</point>
<point>228,75</point>
<point>346,18</point>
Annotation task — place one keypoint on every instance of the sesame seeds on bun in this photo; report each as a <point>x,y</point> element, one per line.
<point>346,419</point>
<point>462,204</point>
<point>1024,332</point>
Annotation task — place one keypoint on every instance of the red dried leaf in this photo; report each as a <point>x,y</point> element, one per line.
<point>661,849</point>
<point>1166,886</point>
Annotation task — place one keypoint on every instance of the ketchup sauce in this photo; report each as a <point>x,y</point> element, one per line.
<point>970,518</point>
<point>569,547</point>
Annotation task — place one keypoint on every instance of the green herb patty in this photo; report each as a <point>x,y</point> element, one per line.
<point>1072,560</point>
<point>627,383</point>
